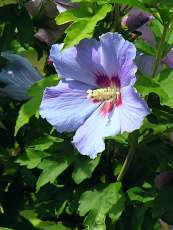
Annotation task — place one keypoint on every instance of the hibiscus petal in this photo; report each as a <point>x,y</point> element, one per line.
<point>65,106</point>
<point>147,35</point>
<point>133,110</point>
<point>117,58</point>
<point>79,63</point>
<point>89,138</point>
<point>135,19</point>
<point>63,5</point>
<point>18,75</point>
<point>168,60</point>
<point>145,64</point>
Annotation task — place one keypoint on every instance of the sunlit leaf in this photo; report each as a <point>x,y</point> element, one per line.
<point>31,107</point>
<point>99,203</point>
<point>84,28</point>
<point>53,168</point>
<point>83,168</point>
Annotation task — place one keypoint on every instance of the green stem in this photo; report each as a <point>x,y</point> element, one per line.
<point>160,50</point>
<point>133,141</point>
<point>126,164</point>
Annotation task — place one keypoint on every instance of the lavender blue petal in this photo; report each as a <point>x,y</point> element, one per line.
<point>63,5</point>
<point>89,138</point>
<point>111,56</point>
<point>49,34</point>
<point>117,57</point>
<point>147,35</point>
<point>65,106</point>
<point>133,110</point>
<point>168,60</point>
<point>135,19</point>
<point>145,64</point>
<point>140,20</point>
<point>60,8</point>
<point>18,75</point>
<point>79,63</point>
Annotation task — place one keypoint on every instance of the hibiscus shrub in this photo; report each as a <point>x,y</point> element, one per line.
<point>86,114</point>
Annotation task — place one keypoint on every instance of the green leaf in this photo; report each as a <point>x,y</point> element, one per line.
<point>135,3</point>
<point>7,2</point>
<point>140,195</point>
<point>31,216</point>
<point>2,126</point>
<point>99,203</point>
<point>157,129</point>
<point>146,85</point>
<point>25,27</point>
<point>121,139</point>
<point>84,28</point>
<point>167,3</point>
<point>157,28</point>
<point>83,168</point>
<point>2,228</point>
<point>72,15</point>
<point>31,158</point>
<point>166,84</point>
<point>36,222</point>
<point>136,194</point>
<point>45,142</point>
<point>162,86</point>
<point>7,36</point>
<point>138,215</point>
<point>163,203</point>
<point>95,220</point>
<point>53,168</point>
<point>52,226</point>
<point>36,151</point>
<point>31,107</point>
<point>117,209</point>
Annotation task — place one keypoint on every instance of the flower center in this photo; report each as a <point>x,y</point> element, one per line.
<point>104,94</point>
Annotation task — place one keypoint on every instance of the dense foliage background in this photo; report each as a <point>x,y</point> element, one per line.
<point>45,183</point>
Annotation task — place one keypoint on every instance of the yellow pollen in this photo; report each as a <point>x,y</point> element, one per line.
<point>103,94</point>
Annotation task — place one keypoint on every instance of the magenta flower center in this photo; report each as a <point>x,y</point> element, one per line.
<point>108,92</point>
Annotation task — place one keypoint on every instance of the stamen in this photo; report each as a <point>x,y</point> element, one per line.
<point>104,94</point>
